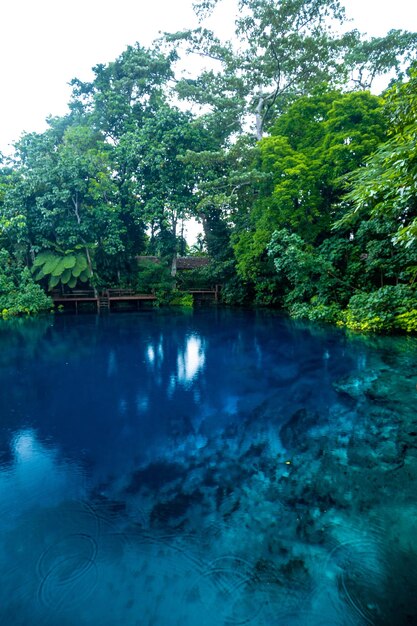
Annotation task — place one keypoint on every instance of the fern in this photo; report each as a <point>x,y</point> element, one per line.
<point>66,268</point>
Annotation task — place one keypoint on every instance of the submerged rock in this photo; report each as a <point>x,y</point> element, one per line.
<point>296,433</point>
<point>154,476</point>
<point>175,510</point>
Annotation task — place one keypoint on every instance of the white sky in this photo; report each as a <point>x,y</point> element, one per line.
<point>46,43</point>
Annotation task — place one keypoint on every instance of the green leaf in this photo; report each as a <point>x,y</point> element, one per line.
<point>66,276</point>
<point>80,265</point>
<point>43,257</point>
<point>40,275</point>
<point>72,282</point>
<point>59,268</point>
<point>50,265</point>
<point>85,275</point>
<point>69,261</point>
<point>53,281</point>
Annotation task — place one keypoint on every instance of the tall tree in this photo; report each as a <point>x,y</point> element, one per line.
<point>283,49</point>
<point>164,182</point>
<point>387,186</point>
<point>123,91</point>
<point>66,192</point>
<point>122,99</point>
<point>367,59</point>
<point>318,140</point>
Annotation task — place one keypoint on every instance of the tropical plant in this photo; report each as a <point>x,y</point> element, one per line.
<point>65,269</point>
<point>19,294</point>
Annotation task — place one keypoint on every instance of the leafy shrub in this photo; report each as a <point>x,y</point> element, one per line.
<point>382,310</point>
<point>316,312</point>
<point>370,324</point>
<point>19,294</point>
<point>198,278</point>
<point>309,275</point>
<point>389,308</point>
<point>154,278</point>
<point>180,298</point>
<point>233,290</point>
<point>407,321</point>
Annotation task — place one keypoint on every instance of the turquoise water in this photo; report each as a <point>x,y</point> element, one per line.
<point>207,468</point>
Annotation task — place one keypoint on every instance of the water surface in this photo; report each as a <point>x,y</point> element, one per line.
<point>207,468</point>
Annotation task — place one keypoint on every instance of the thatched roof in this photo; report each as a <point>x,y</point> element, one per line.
<point>147,259</point>
<point>191,262</point>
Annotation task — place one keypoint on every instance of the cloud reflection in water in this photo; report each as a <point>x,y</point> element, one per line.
<point>191,361</point>
<point>36,476</point>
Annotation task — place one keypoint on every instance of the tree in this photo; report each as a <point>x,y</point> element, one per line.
<point>122,102</point>
<point>387,186</point>
<point>317,141</point>
<point>123,92</point>
<point>283,50</point>
<point>18,291</point>
<point>12,219</point>
<point>380,56</point>
<point>66,193</point>
<point>164,181</point>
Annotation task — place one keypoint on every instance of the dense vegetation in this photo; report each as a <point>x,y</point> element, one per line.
<point>303,180</point>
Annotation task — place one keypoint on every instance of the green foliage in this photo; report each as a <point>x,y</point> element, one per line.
<point>407,321</point>
<point>122,91</point>
<point>119,175</point>
<point>387,186</point>
<point>18,292</point>
<point>67,193</point>
<point>179,298</point>
<point>154,278</point>
<point>314,287</point>
<point>164,179</point>
<point>283,51</point>
<point>331,314</point>
<point>380,56</point>
<point>308,276</point>
<point>233,290</point>
<point>198,278</point>
<point>385,309</point>
<point>65,269</point>
<point>316,141</point>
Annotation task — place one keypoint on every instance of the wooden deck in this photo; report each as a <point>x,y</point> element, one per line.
<point>103,301</point>
<point>126,294</point>
<point>205,294</point>
<point>75,297</point>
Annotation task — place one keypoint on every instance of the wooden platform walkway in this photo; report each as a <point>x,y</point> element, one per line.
<point>75,297</point>
<point>103,301</point>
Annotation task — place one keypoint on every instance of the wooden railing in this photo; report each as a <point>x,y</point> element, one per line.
<point>107,296</point>
<point>127,294</point>
<point>76,294</point>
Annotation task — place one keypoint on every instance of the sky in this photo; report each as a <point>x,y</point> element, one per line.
<point>46,43</point>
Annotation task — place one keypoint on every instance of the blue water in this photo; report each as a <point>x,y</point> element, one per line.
<point>206,468</point>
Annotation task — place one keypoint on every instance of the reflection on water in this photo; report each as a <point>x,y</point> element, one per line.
<point>191,360</point>
<point>215,469</point>
<point>36,476</point>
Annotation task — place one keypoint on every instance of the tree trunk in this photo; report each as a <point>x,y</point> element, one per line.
<point>175,255</point>
<point>258,118</point>
<point>174,265</point>
<point>87,252</point>
<point>182,250</point>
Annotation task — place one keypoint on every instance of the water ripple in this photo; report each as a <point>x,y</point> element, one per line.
<point>67,571</point>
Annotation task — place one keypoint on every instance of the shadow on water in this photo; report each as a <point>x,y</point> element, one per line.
<point>218,468</point>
